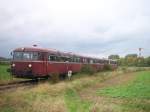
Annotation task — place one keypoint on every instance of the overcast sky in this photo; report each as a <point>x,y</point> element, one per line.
<point>91,27</point>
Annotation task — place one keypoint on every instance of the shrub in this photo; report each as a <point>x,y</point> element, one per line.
<point>87,69</point>
<point>107,67</point>
<point>140,69</point>
<point>124,69</point>
<point>54,77</point>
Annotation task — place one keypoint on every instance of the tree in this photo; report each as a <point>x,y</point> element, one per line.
<point>148,61</point>
<point>131,56</point>
<point>114,57</point>
<point>131,59</point>
<point>141,61</point>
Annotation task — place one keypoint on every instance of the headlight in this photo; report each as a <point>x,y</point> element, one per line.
<point>13,65</point>
<point>29,65</point>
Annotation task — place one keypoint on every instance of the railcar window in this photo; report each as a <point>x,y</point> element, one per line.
<point>72,59</point>
<point>96,61</point>
<point>106,61</point>
<point>101,61</point>
<point>64,59</point>
<point>84,60</point>
<point>39,56</point>
<point>52,58</point>
<point>77,59</point>
<point>113,62</point>
<point>91,61</point>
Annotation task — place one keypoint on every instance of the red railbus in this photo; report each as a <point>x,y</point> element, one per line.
<point>38,62</point>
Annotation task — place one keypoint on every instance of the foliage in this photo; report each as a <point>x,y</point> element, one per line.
<point>88,69</point>
<point>131,56</point>
<point>114,57</point>
<point>107,67</point>
<point>147,60</point>
<point>133,60</point>
<point>54,77</point>
<point>139,88</point>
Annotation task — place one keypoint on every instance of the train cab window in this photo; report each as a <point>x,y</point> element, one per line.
<point>26,55</point>
<point>17,55</point>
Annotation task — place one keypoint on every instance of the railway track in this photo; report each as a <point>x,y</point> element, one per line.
<point>17,84</point>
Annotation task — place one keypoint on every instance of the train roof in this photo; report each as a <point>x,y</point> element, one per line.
<point>32,49</point>
<point>52,51</point>
<point>55,52</point>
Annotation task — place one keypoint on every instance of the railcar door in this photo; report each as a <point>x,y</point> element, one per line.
<point>44,55</point>
<point>41,65</point>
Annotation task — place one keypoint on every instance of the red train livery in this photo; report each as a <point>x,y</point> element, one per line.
<point>38,62</point>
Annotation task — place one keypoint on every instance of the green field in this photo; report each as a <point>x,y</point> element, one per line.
<point>4,75</point>
<point>139,88</point>
<point>74,103</point>
<point>135,95</point>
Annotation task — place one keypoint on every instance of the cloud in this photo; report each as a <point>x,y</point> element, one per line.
<point>92,27</point>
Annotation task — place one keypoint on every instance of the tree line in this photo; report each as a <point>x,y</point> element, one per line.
<point>131,60</point>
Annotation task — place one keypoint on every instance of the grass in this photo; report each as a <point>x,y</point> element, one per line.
<point>7,109</point>
<point>47,97</point>
<point>135,105</point>
<point>4,75</point>
<point>74,103</point>
<point>139,88</point>
<point>33,99</point>
<point>65,96</point>
<point>133,96</point>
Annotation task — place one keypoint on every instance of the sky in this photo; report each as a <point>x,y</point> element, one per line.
<point>96,28</point>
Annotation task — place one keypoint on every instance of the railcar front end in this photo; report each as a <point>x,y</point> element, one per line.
<point>28,64</point>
